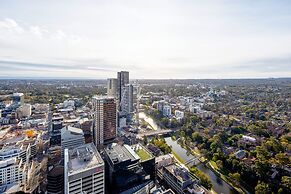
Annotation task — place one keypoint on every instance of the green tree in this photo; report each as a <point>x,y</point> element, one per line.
<point>286,183</point>
<point>262,188</point>
<point>197,137</point>
<point>235,177</point>
<point>205,181</point>
<point>219,164</point>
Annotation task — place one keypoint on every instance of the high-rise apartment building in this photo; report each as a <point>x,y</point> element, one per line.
<point>122,80</point>
<point>112,87</point>
<point>104,126</point>
<point>84,170</point>
<point>126,103</point>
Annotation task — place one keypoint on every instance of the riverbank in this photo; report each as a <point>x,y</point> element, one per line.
<point>212,166</point>
<point>182,156</point>
<point>223,177</point>
<point>182,163</point>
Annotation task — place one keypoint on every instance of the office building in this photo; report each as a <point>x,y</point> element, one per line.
<point>112,87</point>
<point>55,180</point>
<point>129,168</point>
<point>84,170</point>
<point>56,124</point>
<point>104,126</point>
<point>71,137</point>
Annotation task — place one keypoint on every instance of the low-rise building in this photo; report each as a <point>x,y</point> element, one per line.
<point>179,180</point>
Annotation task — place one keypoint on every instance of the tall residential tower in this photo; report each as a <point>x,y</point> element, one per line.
<point>122,80</point>
<point>104,127</point>
<point>112,87</point>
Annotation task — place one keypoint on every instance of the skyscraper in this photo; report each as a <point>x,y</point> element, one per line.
<point>84,170</point>
<point>104,127</point>
<point>126,103</point>
<point>112,87</point>
<point>122,80</point>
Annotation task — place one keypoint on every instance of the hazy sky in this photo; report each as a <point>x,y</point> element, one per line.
<point>150,38</point>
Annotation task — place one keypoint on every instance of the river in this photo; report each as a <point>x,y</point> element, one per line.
<point>218,185</point>
<point>149,120</point>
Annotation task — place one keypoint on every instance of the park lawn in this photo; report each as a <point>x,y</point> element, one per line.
<point>143,154</point>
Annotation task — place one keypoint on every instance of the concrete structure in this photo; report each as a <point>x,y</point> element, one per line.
<point>18,98</point>
<point>179,180</point>
<point>84,170</point>
<point>160,105</point>
<point>23,149</point>
<point>164,160</point>
<point>105,120</point>
<point>179,114</point>
<point>10,171</point>
<point>69,104</point>
<point>112,87</point>
<point>71,137</point>
<point>24,111</point>
<point>167,110</point>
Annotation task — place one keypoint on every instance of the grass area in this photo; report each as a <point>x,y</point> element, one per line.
<point>144,155</point>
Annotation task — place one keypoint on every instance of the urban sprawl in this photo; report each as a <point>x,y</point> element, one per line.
<point>145,136</point>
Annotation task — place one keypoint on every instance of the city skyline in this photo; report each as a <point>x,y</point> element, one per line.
<point>164,39</point>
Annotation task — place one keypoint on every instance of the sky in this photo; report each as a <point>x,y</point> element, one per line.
<point>163,39</point>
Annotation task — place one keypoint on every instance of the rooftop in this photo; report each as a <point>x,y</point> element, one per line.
<point>72,130</point>
<point>120,153</point>
<point>179,172</point>
<point>84,157</point>
<point>102,97</point>
<point>163,157</point>
<point>142,152</point>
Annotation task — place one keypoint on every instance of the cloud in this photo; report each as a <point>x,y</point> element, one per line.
<point>152,39</point>
<point>269,64</point>
<point>11,25</point>
<point>28,66</point>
